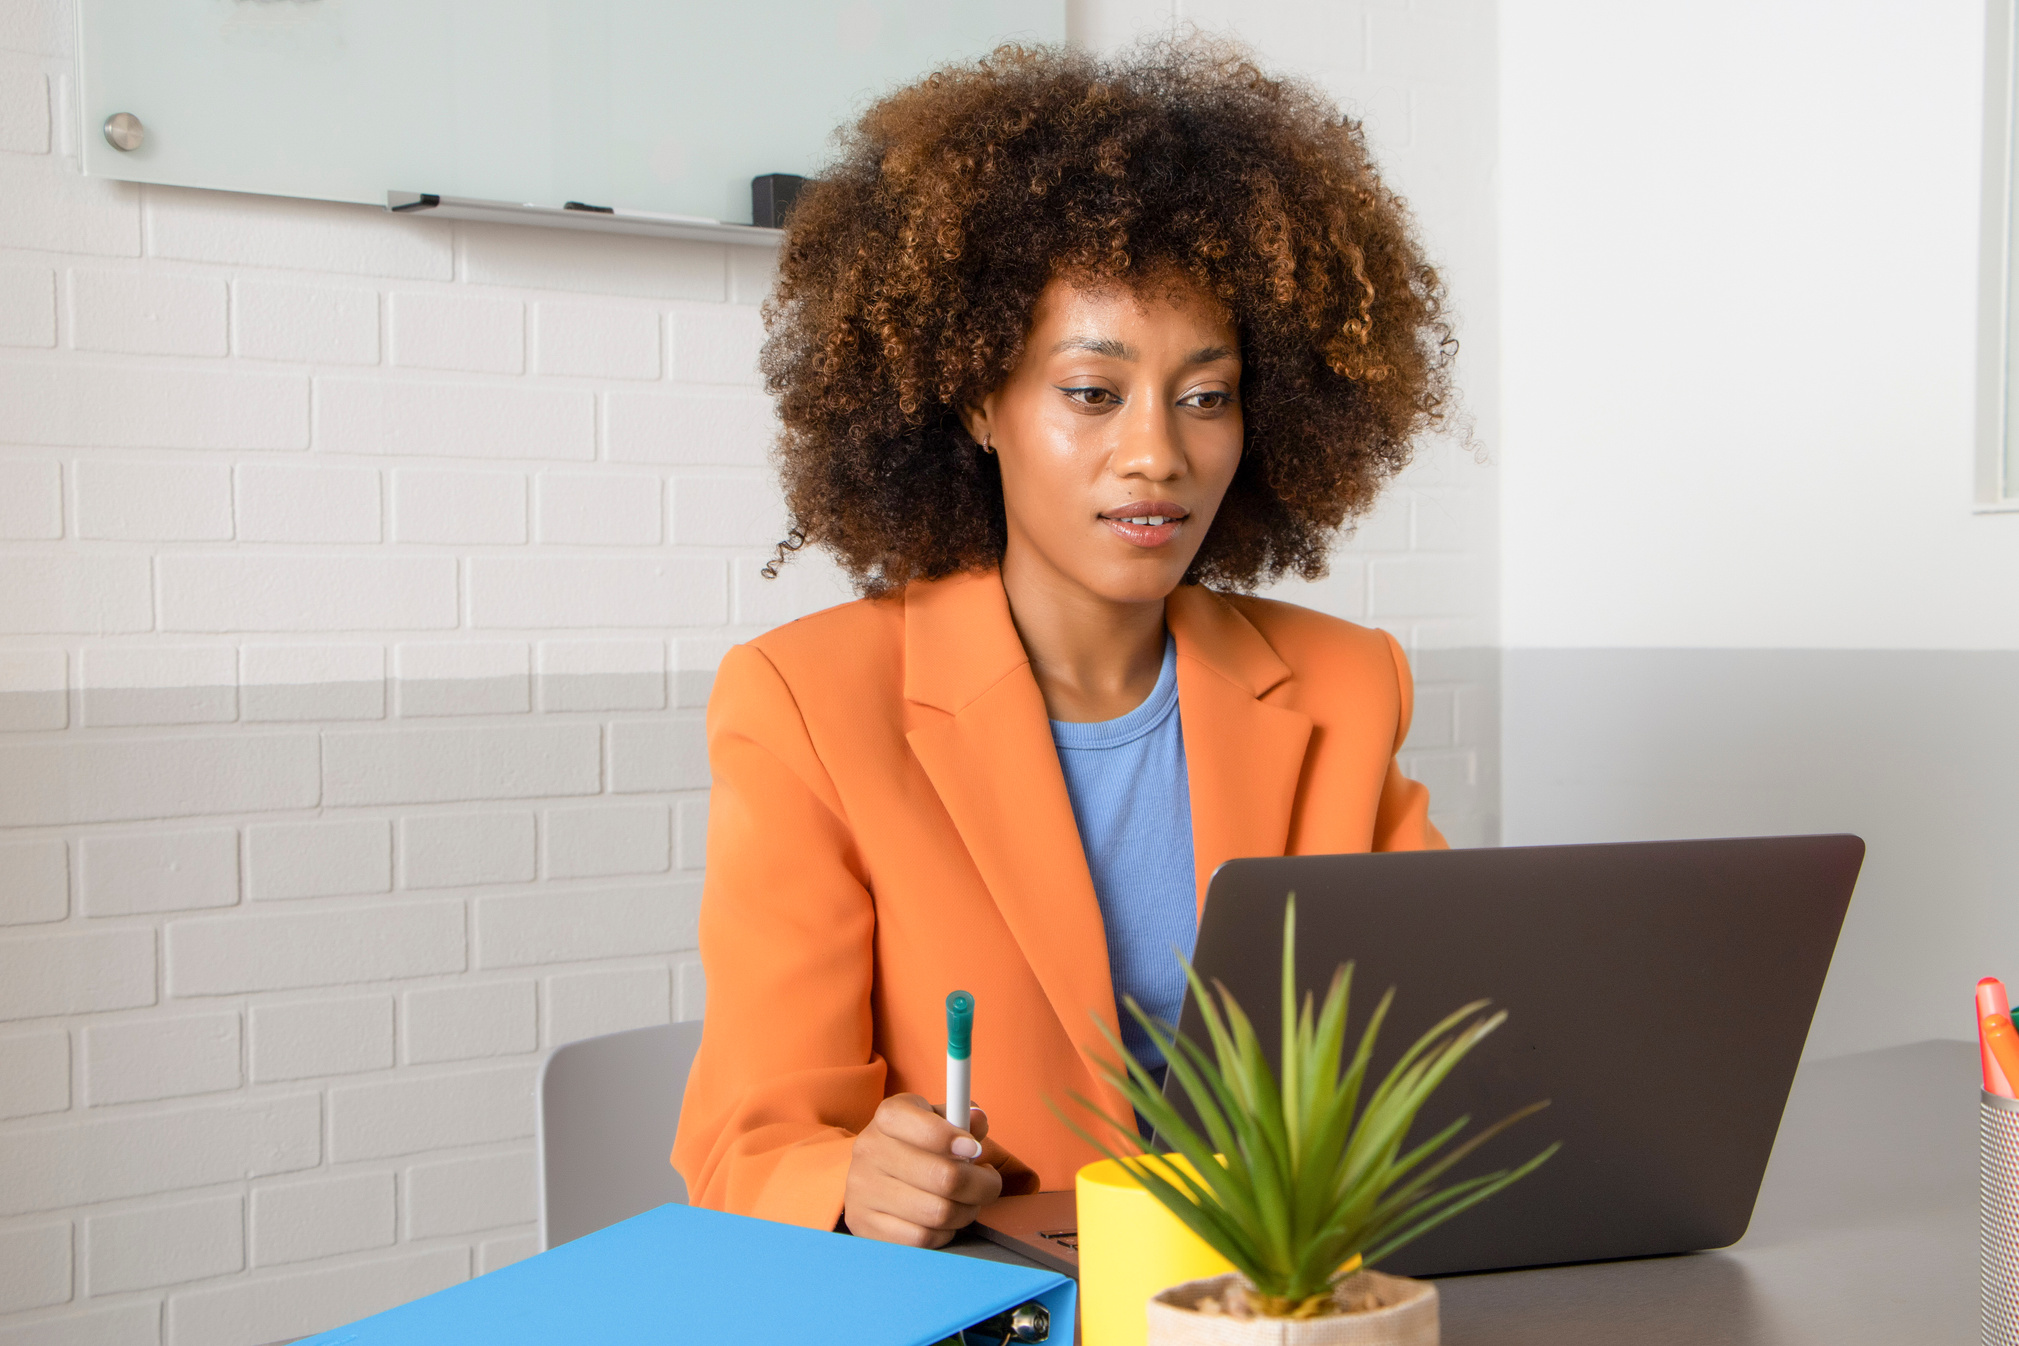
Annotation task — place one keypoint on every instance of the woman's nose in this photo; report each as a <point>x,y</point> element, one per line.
<point>1149,446</point>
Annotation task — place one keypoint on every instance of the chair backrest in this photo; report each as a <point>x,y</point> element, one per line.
<point>608,1110</point>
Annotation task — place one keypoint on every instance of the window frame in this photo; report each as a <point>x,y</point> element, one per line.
<point>1997,465</point>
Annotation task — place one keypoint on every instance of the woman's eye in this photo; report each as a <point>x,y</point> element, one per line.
<point>1091,397</point>
<point>1209,401</point>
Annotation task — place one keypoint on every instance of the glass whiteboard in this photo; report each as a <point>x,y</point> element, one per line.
<point>667,106</point>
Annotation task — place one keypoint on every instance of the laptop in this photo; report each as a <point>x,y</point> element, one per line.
<point>1658,994</point>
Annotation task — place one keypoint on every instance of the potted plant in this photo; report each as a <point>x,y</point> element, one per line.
<point>1300,1182</point>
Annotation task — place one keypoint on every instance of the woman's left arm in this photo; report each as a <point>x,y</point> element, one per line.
<point>787,1073</point>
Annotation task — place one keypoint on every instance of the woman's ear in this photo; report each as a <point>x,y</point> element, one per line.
<point>976,420</point>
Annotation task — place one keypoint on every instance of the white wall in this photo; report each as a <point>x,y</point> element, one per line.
<point>1740,279</point>
<point>1744,589</point>
<point>361,580</point>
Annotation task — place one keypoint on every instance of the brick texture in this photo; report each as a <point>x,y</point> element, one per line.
<point>601,675</point>
<point>34,689</point>
<point>285,503</point>
<point>430,1112</point>
<point>598,510</point>
<point>24,112</point>
<point>52,1165</point>
<point>35,1267</point>
<point>34,882</point>
<point>31,499</point>
<point>36,1067</point>
<point>91,779</point>
<point>525,931</point>
<point>571,592</point>
<point>127,501</point>
<point>590,1004</point>
<point>461,1196</point>
<point>589,843</point>
<point>698,429</point>
<point>27,306</point>
<point>90,595</point>
<point>425,766</point>
<point>466,420</point>
<point>164,871</point>
<point>305,1221</point>
<point>147,313</point>
<point>433,329</point>
<point>596,341</point>
<point>160,684</point>
<point>281,1308</point>
<point>244,592</point>
<point>43,975</point>
<point>161,1058</point>
<point>165,1245</point>
<point>320,859</point>
<point>502,1252</point>
<point>105,404</point>
<point>463,677</point>
<point>311,1039</point>
<point>317,324</point>
<point>129,1324</point>
<point>277,950</point>
<point>458,507</point>
<point>656,755</point>
<point>464,849</point>
<point>456,1023</point>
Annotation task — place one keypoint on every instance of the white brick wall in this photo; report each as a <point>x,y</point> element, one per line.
<point>36,1067</point>
<point>34,1267</point>
<point>362,579</point>
<point>471,1020</point>
<point>145,1059</point>
<point>307,1221</point>
<point>34,882</point>
<point>165,1245</point>
<point>307,1039</point>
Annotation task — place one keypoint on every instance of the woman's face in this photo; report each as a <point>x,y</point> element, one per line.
<point>1118,433</point>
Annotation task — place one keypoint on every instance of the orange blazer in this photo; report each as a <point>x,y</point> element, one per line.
<point>889,823</point>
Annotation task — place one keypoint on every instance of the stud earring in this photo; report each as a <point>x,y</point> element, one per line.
<point>986,447</point>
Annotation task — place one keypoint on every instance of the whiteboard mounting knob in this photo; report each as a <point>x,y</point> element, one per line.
<point>123,131</point>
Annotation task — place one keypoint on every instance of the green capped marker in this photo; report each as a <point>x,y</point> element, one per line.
<point>959,1047</point>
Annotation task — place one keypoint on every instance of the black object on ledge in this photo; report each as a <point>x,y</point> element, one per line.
<point>771,196</point>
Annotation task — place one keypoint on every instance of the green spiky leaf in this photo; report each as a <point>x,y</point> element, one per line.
<point>1295,1172</point>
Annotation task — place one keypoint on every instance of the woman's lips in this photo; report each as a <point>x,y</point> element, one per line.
<point>1133,525</point>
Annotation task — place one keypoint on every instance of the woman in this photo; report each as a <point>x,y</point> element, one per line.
<point>1069,356</point>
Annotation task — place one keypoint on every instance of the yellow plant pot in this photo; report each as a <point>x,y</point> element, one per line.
<point>1131,1248</point>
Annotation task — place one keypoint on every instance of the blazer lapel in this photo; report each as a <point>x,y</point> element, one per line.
<point>1243,756</point>
<point>991,759</point>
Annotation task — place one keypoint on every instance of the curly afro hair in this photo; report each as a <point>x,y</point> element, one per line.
<point>910,270</point>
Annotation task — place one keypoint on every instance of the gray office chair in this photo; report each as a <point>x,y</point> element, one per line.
<point>608,1110</point>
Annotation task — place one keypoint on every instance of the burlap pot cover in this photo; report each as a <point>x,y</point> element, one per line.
<point>1409,1319</point>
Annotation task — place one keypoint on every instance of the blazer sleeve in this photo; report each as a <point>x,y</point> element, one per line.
<point>1402,817</point>
<point>787,1073</point>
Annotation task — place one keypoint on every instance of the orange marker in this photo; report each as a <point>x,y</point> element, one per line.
<point>1990,1001</point>
<point>2004,1044</point>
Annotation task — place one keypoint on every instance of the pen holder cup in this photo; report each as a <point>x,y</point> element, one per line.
<point>1130,1249</point>
<point>1998,1217</point>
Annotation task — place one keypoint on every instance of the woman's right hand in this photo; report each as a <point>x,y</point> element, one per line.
<point>914,1178</point>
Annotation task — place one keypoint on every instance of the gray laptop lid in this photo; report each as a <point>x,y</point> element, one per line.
<point>1658,994</point>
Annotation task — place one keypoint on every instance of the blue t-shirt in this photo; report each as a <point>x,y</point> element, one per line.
<point>1126,779</point>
